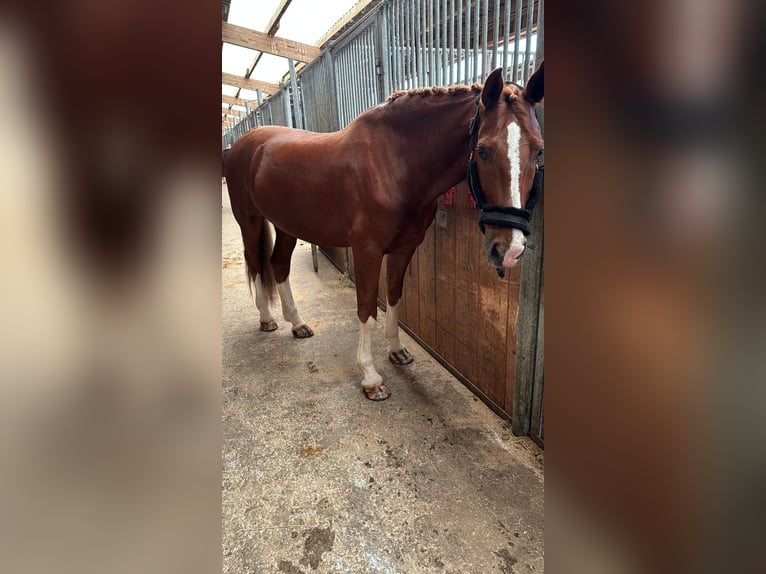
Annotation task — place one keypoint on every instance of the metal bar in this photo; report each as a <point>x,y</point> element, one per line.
<point>540,33</point>
<point>369,71</point>
<point>413,46</point>
<point>496,34</point>
<point>468,74</point>
<point>484,31</point>
<point>530,15</point>
<point>460,76</point>
<point>438,41</point>
<point>353,87</point>
<point>451,56</point>
<point>385,53</point>
<point>444,42</point>
<point>400,45</point>
<point>516,39</point>
<point>432,28</point>
<point>506,37</point>
<point>288,115</point>
<point>296,96</point>
<point>394,46</point>
<point>420,9</point>
<point>476,22</point>
<point>418,44</point>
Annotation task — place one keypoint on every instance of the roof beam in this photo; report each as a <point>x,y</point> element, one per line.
<point>249,84</point>
<point>233,101</point>
<point>273,25</point>
<point>254,40</point>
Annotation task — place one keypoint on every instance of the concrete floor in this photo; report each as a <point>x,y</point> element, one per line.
<point>316,478</point>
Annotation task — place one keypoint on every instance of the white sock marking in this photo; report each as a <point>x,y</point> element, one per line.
<point>370,377</point>
<point>261,302</point>
<point>392,328</point>
<point>289,310</point>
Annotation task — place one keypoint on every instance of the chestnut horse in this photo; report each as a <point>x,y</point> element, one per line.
<point>374,186</point>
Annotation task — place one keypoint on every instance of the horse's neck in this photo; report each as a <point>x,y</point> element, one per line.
<point>436,144</point>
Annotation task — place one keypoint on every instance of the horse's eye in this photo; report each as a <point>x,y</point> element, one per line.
<point>482,153</point>
<point>540,152</point>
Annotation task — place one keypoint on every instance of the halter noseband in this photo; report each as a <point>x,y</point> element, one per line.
<point>499,215</point>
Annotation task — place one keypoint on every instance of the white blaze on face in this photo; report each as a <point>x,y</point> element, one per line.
<point>516,247</point>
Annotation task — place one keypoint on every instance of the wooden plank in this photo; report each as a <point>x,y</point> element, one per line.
<point>249,84</point>
<point>382,283</point>
<point>255,40</point>
<point>444,254</point>
<point>273,25</point>
<point>410,313</point>
<point>527,330</point>
<point>427,289</point>
<point>232,101</point>
<point>514,278</point>
<point>536,427</point>
<point>336,257</point>
<point>466,291</point>
<point>492,327</point>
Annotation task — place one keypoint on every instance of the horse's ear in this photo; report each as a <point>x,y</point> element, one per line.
<point>493,87</point>
<point>533,91</point>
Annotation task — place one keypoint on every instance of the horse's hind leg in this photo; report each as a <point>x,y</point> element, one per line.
<point>252,237</point>
<point>280,262</point>
<point>396,266</point>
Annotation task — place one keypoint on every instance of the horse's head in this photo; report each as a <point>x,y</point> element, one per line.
<point>506,142</point>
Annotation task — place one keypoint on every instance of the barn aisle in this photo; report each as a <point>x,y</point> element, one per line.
<point>316,478</point>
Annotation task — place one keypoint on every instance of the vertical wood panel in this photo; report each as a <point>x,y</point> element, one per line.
<point>336,255</point>
<point>444,255</point>
<point>492,326</point>
<point>513,277</point>
<point>382,282</point>
<point>411,302</point>
<point>466,287</point>
<point>427,290</point>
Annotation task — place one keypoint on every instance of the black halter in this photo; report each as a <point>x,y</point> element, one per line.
<point>498,214</point>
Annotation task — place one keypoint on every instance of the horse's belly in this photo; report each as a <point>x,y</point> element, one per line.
<point>304,213</point>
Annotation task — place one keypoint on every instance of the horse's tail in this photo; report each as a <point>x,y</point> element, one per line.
<point>265,247</point>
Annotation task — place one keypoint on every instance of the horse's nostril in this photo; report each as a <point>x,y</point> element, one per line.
<point>495,253</point>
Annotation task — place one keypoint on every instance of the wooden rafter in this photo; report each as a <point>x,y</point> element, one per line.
<point>273,25</point>
<point>249,84</point>
<point>254,40</point>
<point>233,101</point>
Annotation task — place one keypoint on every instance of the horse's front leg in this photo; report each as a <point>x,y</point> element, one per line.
<point>395,268</point>
<point>280,262</point>
<point>366,271</point>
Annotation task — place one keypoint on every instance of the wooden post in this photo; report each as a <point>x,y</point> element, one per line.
<point>529,378</point>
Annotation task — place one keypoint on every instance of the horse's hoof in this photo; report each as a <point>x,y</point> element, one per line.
<point>268,326</point>
<point>377,393</point>
<point>303,332</point>
<point>401,357</point>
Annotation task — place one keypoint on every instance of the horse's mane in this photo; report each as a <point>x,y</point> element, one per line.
<point>510,93</point>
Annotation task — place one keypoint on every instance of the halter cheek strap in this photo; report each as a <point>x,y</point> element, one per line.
<point>500,215</point>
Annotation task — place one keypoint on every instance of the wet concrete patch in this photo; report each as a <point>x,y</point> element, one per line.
<point>318,542</point>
